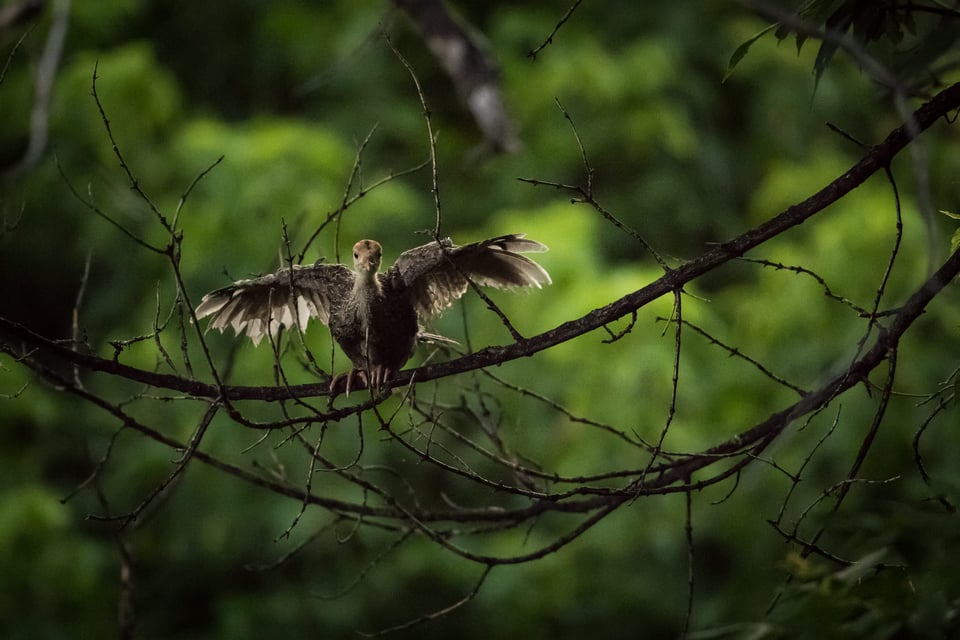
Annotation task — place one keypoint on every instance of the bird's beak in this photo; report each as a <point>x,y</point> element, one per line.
<point>369,263</point>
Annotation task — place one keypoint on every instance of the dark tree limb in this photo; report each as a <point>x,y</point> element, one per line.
<point>470,66</point>
<point>13,14</point>
<point>44,77</point>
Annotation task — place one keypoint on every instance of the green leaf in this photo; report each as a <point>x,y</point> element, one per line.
<point>955,216</point>
<point>742,50</point>
<point>955,241</point>
<point>838,23</point>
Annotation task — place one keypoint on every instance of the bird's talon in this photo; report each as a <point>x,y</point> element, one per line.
<point>347,381</point>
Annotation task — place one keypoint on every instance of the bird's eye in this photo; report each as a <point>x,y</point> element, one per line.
<point>355,255</point>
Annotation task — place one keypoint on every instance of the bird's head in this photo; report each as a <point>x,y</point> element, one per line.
<point>366,257</point>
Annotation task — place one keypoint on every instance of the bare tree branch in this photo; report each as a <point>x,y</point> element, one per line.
<point>45,76</point>
<point>466,60</point>
<point>14,13</point>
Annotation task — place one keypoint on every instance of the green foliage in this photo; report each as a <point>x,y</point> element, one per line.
<point>740,52</point>
<point>142,99</point>
<point>686,155</point>
<point>916,40</point>
<point>955,239</point>
<point>880,595</point>
<point>51,568</point>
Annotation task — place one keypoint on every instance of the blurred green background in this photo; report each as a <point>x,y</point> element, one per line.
<point>286,91</point>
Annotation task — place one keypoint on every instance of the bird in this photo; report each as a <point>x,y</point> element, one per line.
<point>376,318</point>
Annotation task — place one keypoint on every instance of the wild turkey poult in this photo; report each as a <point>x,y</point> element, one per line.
<point>374,317</point>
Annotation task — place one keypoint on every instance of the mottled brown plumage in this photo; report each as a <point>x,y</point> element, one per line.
<point>374,317</point>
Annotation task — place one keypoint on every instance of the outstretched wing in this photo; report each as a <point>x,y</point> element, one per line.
<point>287,297</point>
<point>436,273</point>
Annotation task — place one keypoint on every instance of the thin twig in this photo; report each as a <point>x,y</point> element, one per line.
<point>735,352</point>
<point>532,54</point>
<point>134,182</point>
<point>431,136</point>
<point>688,535</point>
<point>434,615</point>
<point>13,52</point>
<point>584,194</point>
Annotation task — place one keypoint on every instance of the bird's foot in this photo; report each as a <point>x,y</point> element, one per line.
<point>344,381</point>
<point>373,379</point>
<point>379,378</point>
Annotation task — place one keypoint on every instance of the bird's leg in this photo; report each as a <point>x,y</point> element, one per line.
<point>373,371</point>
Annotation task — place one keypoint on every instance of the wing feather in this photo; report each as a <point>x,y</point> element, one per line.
<point>436,273</point>
<point>288,297</point>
